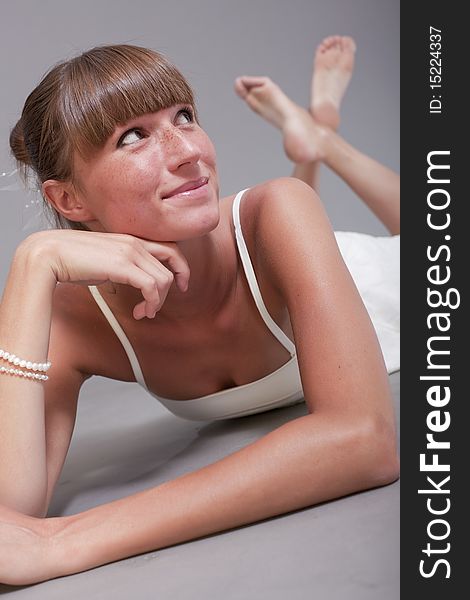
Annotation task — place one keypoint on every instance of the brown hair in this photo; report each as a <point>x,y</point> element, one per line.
<point>79,102</point>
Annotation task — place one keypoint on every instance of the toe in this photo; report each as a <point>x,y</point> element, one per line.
<point>254,81</point>
<point>349,44</point>
<point>336,41</point>
<point>240,89</point>
<point>328,42</point>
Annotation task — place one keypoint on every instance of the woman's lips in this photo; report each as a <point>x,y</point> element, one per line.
<point>187,188</point>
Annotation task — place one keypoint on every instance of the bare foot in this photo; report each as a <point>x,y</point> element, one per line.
<point>302,137</point>
<point>333,67</point>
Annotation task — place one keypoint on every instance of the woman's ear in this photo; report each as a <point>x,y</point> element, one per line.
<point>64,198</point>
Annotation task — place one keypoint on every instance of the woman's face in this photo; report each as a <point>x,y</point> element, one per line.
<point>129,184</point>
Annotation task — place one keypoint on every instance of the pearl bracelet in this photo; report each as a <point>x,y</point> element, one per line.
<point>26,374</point>
<point>25,364</point>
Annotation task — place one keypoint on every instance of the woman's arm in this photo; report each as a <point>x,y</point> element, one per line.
<point>31,454</point>
<point>25,318</point>
<point>309,460</point>
<point>346,443</point>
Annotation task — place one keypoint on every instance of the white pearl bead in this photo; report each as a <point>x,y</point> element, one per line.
<point>16,361</point>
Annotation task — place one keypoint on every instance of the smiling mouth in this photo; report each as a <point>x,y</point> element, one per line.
<point>187,188</point>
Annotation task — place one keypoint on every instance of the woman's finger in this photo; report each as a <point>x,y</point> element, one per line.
<point>149,287</point>
<point>170,253</point>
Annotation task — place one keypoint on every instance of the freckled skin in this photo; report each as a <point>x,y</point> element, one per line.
<point>123,186</point>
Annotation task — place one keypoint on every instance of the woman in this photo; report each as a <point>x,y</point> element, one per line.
<point>114,141</point>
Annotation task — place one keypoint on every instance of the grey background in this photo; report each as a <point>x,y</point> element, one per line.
<point>212,42</point>
<point>122,443</point>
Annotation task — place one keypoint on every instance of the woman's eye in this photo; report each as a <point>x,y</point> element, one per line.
<point>131,136</point>
<point>187,113</point>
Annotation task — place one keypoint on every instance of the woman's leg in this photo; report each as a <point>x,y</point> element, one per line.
<point>301,135</point>
<point>309,140</point>
<point>332,70</point>
<point>377,185</point>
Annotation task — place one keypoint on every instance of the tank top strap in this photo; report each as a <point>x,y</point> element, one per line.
<point>252,281</point>
<point>119,331</point>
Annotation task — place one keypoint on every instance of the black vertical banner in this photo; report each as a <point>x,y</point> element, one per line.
<point>435,431</point>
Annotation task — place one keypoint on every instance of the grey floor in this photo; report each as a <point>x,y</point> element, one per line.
<point>124,441</point>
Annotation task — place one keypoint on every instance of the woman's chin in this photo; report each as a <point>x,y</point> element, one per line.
<point>189,226</point>
<point>202,223</point>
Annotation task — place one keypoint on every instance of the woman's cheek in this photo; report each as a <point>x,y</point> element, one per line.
<point>137,180</point>
<point>210,152</point>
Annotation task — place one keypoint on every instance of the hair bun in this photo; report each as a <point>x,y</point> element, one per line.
<point>18,146</point>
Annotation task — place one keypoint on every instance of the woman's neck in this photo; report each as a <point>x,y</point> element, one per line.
<point>210,284</point>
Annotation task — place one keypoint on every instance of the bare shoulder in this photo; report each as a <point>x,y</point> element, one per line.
<point>277,209</point>
<point>261,199</point>
<point>285,220</point>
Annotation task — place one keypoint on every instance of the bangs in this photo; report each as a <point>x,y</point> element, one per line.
<point>107,86</point>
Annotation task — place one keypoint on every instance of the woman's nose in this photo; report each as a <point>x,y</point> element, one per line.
<point>179,149</point>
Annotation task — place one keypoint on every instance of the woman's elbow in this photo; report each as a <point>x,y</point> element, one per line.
<point>387,468</point>
<point>379,452</point>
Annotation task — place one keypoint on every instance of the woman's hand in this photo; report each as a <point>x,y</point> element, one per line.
<point>93,258</point>
<point>24,549</point>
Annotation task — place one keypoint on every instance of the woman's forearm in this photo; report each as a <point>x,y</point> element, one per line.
<point>306,461</point>
<point>25,319</point>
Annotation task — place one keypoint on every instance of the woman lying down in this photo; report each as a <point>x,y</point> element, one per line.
<point>219,307</point>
